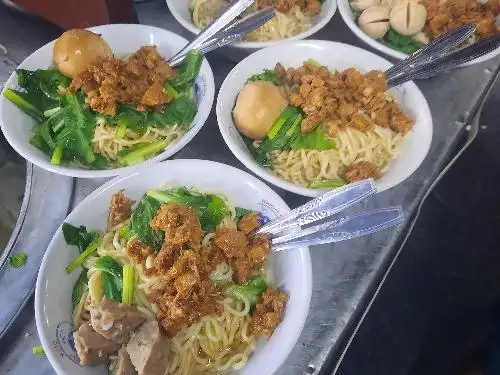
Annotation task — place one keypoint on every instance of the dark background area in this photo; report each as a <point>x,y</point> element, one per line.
<point>435,310</point>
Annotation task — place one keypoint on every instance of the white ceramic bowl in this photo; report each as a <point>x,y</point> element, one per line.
<point>239,50</point>
<point>123,39</point>
<point>290,270</point>
<point>348,16</point>
<point>335,56</point>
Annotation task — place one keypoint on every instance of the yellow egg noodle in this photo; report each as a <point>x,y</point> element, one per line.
<point>214,345</point>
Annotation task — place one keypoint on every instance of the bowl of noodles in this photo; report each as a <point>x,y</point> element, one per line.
<point>160,272</point>
<point>294,20</point>
<point>316,115</point>
<point>104,101</point>
<point>398,28</point>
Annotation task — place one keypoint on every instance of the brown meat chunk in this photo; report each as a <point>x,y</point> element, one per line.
<point>138,81</point>
<point>184,284</point>
<point>242,270</point>
<point>180,224</point>
<point>400,122</point>
<point>123,365</point>
<point>444,16</point>
<point>232,242</point>
<point>137,251</point>
<point>148,350</point>
<point>166,257</point>
<point>361,122</point>
<point>187,261</point>
<point>155,96</point>
<point>120,209</point>
<point>115,321</point>
<point>259,250</point>
<point>249,223</point>
<point>91,347</point>
<point>362,170</point>
<point>269,312</point>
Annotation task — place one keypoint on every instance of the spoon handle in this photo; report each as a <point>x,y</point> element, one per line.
<point>439,47</point>
<point>450,61</point>
<point>238,29</point>
<point>325,205</point>
<point>215,26</point>
<point>342,229</point>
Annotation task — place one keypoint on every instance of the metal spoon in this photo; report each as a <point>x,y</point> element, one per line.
<point>215,26</point>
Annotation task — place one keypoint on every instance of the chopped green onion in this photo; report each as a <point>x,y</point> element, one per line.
<point>327,184</point>
<point>171,90</point>
<point>18,260</point>
<point>78,261</point>
<point>128,284</point>
<point>38,350</point>
<point>121,129</point>
<point>56,156</point>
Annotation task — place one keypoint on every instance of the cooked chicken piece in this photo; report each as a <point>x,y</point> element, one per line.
<point>400,122</point>
<point>249,223</point>
<point>137,251</point>
<point>148,349</point>
<point>186,262</point>
<point>360,122</point>
<point>269,312</point>
<point>120,209</point>
<point>185,283</point>
<point>362,170</point>
<point>115,321</point>
<point>91,347</point>
<point>259,249</point>
<point>232,242</point>
<point>242,270</point>
<point>166,257</point>
<point>180,224</point>
<point>123,365</point>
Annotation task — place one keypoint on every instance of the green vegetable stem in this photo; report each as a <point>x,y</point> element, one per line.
<point>84,255</point>
<point>138,154</point>
<point>322,184</point>
<point>128,284</point>
<point>79,289</point>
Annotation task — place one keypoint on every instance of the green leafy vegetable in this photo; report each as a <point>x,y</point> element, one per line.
<point>241,212</point>
<point>188,71</point>
<point>313,140</point>
<point>84,255</point>
<point>139,225</point>
<point>47,81</point>
<point>38,350</point>
<point>171,90</point>
<point>210,208</point>
<point>137,154</point>
<point>402,43</point>
<point>78,129</point>
<point>312,62</point>
<point>320,184</point>
<point>112,290</point>
<point>79,289</point>
<point>128,284</point>
<point>112,277</point>
<point>250,290</point>
<point>180,111</point>
<point>128,117</point>
<point>18,260</point>
<point>268,75</point>
<point>22,101</point>
<point>78,236</point>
